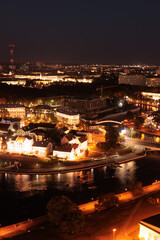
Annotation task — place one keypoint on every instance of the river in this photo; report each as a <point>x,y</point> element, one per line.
<point>25,196</point>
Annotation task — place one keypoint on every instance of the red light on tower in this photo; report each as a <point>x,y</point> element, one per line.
<point>11,47</point>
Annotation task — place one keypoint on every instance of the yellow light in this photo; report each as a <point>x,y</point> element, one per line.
<point>142,136</point>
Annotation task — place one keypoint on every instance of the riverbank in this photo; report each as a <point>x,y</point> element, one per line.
<point>80,166</point>
<point>127,212</point>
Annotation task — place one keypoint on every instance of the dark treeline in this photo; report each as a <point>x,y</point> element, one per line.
<point>14,93</point>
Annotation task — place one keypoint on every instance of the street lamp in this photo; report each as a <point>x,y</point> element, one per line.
<point>114,233</point>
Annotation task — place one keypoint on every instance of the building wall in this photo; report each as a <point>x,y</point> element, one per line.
<point>68,155</point>
<point>136,79</point>
<point>84,104</point>
<point>153,82</point>
<point>67,118</point>
<point>148,234</point>
<point>19,112</point>
<point>16,147</point>
<point>39,151</point>
<point>42,151</point>
<point>83,145</point>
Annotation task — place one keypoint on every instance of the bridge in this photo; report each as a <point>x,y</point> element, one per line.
<point>108,121</point>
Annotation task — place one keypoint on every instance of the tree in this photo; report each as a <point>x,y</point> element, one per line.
<point>65,215</point>
<point>111,136</point>
<point>106,200</point>
<point>137,189</point>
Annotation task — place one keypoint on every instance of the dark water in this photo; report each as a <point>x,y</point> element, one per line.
<point>24,196</point>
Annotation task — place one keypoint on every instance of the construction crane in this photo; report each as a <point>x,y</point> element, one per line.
<point>102,88</point>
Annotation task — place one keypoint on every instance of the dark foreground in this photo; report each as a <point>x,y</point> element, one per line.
<point>99,226</point>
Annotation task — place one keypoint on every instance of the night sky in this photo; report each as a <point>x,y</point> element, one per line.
<point>86,31</point>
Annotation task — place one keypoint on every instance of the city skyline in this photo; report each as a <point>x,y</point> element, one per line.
<point>81,32</point>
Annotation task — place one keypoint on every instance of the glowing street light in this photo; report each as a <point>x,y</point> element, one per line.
<point>114,233</point>
<point>120,104</point>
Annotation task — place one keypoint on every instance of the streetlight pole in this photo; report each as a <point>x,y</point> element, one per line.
<point>131,132</point>
<point>114,233</point>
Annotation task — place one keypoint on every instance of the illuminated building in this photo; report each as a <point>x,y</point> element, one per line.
<point>80,80</point>
<point>151,95</point>
<point>150,228</point>
<point>12,110</point>
<point>42,111</point>
<point>15,82</point>
<point>80,140</point>
<point>66,151</point>
<point>83,143</point>
<point>20,145</point>
<point>153,82</point>
<point>86,107</point>
<point>46,79</point>
<point>12,121</point>
<point>1,142</point>
<point>40,77</point>
<point>68,139</point>
<point>37,134</point>
<point>67,117</point>
<point>71,147</point>
<point>42,148</point>
<point>136,79</point>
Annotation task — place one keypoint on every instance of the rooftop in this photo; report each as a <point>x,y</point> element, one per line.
<point>83,139</point>
<point>66,111</point>
<point>32,126</point>
<point>20,139</point>
<point>4,126</point>
<point>43,107</point>
<point>11,119</point>
<point>8,105</point>
<point>41,144</point>
<point>66,148</point>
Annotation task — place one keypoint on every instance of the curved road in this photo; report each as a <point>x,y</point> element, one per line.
<point>99,162</point>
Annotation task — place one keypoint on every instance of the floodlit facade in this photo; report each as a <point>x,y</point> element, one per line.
<point>71,147</point>
<point>68,152</point>
<point>12,110</point>
<point>45,79</point>
<point>42,149</point>
<point>69,118</point>
<point>20,145</point>
<point>83,143</point>
<point>150,228</point>
<point>86,107</point>
<point>150,95</point>
<point>83,104</point>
